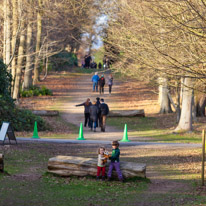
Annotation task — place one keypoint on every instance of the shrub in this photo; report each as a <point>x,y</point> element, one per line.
<point>63,60</point>
<point>21,120</point>
<point>36,91</point>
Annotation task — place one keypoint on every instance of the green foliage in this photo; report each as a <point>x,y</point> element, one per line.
<point>36,91</point>
<point>21,120</point>
<point>63,60</point>
<point>99,55</point>
<point>5,81</point>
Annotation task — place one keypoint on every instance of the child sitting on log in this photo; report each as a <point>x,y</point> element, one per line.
<point>115,161</point>
<point>102,160</point>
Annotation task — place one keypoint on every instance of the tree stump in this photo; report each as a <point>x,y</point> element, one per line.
<point>1,163</point>
<point>80,166</point>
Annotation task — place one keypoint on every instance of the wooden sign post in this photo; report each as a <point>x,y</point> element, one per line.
<point>203,157</point>
<point>7,130</point>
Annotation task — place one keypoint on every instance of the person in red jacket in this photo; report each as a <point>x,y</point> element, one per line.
<point>101,84</point>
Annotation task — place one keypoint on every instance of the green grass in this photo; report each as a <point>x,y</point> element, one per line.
<point>57,191</point>
<point>147,127</point>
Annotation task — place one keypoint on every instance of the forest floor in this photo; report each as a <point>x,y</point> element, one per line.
<point>173,173</point>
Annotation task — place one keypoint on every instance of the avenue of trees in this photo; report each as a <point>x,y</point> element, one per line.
<point>162,42</point>
<point>32,31</point>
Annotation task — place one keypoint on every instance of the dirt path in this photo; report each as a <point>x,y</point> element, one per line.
<point>159,185</point>
<point>75,115</point>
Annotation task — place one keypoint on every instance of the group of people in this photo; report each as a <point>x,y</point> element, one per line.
<point>114,157</point>
<point>95,113</point>
<point>100,81</point>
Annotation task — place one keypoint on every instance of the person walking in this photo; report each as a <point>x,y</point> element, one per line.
<point>86,105</point>
<point>104,112</point>
<point>95,80</point>
<point>93,111</point>
<point>99,113</point>
<point>110,83</point>
<point>101,84</point>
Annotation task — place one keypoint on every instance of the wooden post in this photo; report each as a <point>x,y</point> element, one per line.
<point>203,156</point>
<point>1,163</point>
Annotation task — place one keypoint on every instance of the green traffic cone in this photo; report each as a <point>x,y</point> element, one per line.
<point>81,136</point>
<point>125,136</point>
<point>35,133</point>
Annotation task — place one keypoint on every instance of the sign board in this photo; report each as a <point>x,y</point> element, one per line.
<point>7,130</point>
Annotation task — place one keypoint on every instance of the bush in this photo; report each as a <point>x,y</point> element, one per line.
<point>63,60</point>
<point>5,82</point>
<point>21,120</point>
<point>36,91</point>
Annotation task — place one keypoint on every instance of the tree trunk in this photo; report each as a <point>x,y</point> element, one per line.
<point>7,32</point>
<point>165,106</point>
<point>200,106</point>
<point>19,63</point>
<point>5,26</point>
<point>14,33</point>
<point>28,68</point>
<point>178,110</point>
<point>194,113</point>
<point>185,122</point>
<point>38,43</point>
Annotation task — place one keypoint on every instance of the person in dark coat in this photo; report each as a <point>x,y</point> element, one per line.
<point>100,65</point>
<point>87,60</point>
<point>104,112</point>
<point>101,84</point>
<point>93,111</point>
<point>86,105</point>
<point>110,83</point>
<point>99,113</point>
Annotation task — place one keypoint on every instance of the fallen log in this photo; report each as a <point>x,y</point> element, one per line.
<point>46,112</point>
<point>127,113</point>
<point>80,166</point>
<point>1,162</point>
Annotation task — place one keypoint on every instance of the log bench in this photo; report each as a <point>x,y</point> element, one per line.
<point>81,166</point>
<point>1,163</point>
<point>127,113</point>
<point>49,113</point>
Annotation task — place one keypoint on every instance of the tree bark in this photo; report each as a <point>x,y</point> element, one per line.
<point>38,43</point>
<point>5,26</point>
<point>7,32</point>
<point>200,106</point>
<point>28,68</point>
<point>165,106</point>
<point>185,122</point>
<point>19,63</point>
<point>14,33</point>
<point>194,113</point>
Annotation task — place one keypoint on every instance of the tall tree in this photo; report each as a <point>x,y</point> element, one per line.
<point>38,42</point>
<point>14,37</point>
<point>21,49</point>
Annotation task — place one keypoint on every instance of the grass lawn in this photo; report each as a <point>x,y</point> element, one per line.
<point>174,173</point>
<point>148,127</point>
